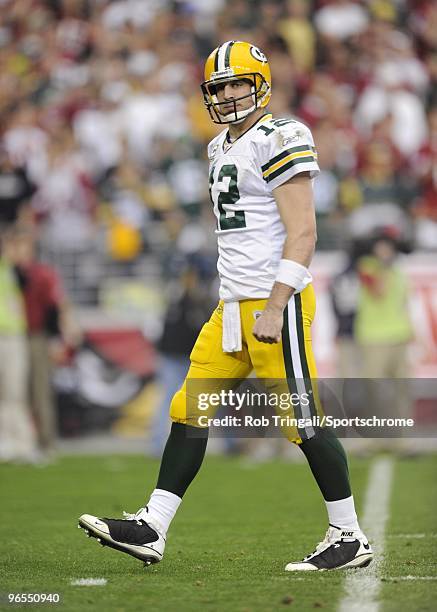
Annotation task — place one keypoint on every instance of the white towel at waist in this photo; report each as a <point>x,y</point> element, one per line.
<point>231,339</point>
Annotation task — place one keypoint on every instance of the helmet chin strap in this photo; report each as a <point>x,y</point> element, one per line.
<point>240,115</point>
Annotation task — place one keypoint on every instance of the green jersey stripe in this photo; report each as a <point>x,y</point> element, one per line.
<point>286,346</point>
<point>288,362</point>
<point>285,154</point>
<point>285,167</point>
<point>303,357</point>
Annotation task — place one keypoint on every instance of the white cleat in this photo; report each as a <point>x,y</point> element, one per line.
<point>136,534</point>
<point>341,549</point>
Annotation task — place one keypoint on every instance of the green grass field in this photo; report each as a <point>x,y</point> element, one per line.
<point>233,535</point>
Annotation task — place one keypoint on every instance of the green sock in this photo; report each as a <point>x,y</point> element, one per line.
<point>182,458</point>
<point>328,463</point>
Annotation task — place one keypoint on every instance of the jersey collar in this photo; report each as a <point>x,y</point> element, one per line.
<point>227,144</point>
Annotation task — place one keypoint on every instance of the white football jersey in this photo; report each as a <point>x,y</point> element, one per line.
<point>242,177</point>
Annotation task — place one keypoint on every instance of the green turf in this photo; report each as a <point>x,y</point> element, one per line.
<point>227,548</point>
<point>413,512</point>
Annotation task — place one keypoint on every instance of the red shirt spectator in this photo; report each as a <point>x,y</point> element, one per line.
<point>43,297</point>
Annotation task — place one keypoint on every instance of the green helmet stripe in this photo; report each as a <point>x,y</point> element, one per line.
<point>228,53</point>
<point>216,59</point>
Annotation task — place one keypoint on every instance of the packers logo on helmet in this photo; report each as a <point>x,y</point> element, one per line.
<point>234,60</point>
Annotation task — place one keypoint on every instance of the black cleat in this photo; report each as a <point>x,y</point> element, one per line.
<point>341,549</point>
<point>133,535</point>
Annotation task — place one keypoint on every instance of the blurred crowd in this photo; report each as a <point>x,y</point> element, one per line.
<point>103,128</point>
<point>103,131</point>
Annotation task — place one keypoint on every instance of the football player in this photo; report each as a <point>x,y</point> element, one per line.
<point>261,172</point>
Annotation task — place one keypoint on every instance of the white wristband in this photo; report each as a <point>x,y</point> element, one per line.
<point>293,274</point>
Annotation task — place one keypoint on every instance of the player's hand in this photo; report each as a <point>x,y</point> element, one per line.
<point>268,326</point>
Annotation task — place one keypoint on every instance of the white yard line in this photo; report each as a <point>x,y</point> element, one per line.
<point>89,582</point>
<point>399,578</point>
<point>361,587</point>
<point>412,536</point>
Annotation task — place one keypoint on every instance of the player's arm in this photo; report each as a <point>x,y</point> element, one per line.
<point>294,199</point>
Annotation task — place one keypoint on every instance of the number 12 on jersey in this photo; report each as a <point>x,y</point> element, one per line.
<point>227,194</point>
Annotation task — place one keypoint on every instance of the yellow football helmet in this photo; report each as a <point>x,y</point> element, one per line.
<point>232,60</point>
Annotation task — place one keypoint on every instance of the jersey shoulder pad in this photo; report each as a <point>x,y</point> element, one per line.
<point>286,131</point>
<point>289,149</point>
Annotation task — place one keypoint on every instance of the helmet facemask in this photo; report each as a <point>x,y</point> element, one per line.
<point>259,90</point>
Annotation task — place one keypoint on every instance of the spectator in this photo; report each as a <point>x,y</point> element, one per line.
<point>344,295</point>
<point>187,311</point>
<point>17,434</point>
<point>127,219</point>
<point>65,200</point>
<point>383,329</point>
<point>298,33</point>
<point>389,92</point>
<point>383,194</point>
<point>48,325</point>
<point>424,167</point>
<point>25,141</point>
<point>341,19</point>
<point>15,192</point>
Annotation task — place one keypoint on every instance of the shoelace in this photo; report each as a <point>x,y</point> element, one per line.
<point>321,546</point>
<point>130,516</point>
<point>324,544</point>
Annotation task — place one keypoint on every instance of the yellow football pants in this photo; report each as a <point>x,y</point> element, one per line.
<point>289,364</point>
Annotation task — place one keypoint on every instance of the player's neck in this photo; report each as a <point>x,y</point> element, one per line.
<point>236,130</point>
